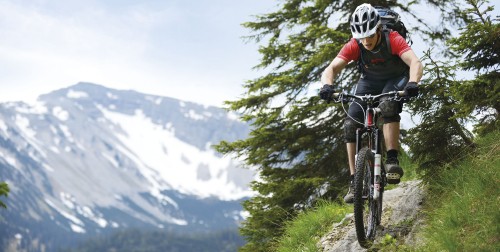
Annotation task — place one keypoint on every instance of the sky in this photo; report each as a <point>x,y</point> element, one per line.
<point>190,50</point>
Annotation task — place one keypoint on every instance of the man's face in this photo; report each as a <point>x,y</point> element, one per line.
<point>370,42</point>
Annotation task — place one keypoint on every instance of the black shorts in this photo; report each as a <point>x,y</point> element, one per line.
<point>375,87</point>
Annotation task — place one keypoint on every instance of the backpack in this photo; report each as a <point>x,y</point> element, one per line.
<point>390,20</point>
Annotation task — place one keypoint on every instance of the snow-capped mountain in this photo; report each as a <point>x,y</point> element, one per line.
<point>88,159</point>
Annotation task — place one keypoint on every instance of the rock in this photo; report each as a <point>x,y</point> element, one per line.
<point>399,219</point>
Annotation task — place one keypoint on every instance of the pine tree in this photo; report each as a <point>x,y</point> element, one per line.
<point>479,47</point>
<point>440,136</point>
<point>4,191</point>
<point>449,102</point>
<point>297,140</point>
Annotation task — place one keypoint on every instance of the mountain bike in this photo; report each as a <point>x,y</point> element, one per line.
<point>370,175</point>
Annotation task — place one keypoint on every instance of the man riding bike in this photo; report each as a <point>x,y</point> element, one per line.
<point>381,71</point>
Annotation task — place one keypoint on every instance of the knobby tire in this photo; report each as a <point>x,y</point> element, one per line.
<point>367,211</point>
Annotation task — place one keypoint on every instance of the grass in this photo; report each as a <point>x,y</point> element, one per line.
<point>304,232</point>
<point>464,201</point>
<point>461,209</point>
<point>410,168</point>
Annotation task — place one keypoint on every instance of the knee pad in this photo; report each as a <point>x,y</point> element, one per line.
<point>392,119</point>
<point>388,108</point>
<point>350,128</point>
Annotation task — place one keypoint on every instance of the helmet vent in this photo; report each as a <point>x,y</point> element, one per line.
<point>364,21</point>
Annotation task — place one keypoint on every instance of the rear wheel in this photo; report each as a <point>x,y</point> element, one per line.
<point>366,210</point>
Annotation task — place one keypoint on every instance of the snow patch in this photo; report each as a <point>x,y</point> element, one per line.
<point>66,133</point>
<point>95,217</point>
<point>67,200</point>
<point>10,160</point>
<point>164,200</point>
<point>193,115</point>
<point>37,108</point>
<point>3,126</point>
<point>111,96</point>
<point>24,125</point>
<point>77,229</point>
<point>155,100</point>
<point>76,94</point>
<point>147,142</point>
<point>111,160</point>
<point>70,202</point>
<point>47,167</point>
<point>65,214</point>
<point>60,113</point>
<point>54,149</point>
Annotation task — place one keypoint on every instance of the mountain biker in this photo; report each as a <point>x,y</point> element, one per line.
<point>381,71</point>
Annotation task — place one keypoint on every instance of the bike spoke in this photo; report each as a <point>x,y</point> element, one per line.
<point>365,208</point>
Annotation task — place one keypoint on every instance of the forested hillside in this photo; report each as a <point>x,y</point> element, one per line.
<point>151,241</point>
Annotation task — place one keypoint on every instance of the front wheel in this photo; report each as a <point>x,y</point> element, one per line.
<point>365,208</point>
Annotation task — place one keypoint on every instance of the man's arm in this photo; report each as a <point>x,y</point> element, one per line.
<point>328,76</point>
<point>416,68</point>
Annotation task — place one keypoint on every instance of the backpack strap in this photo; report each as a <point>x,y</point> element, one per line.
<point>386,32</point>
<point>361,61</point>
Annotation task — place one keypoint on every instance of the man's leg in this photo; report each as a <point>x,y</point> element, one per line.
<point>390,113</point>
<point>350,138</point>
<point>391,137</point>
<point>351,153</point>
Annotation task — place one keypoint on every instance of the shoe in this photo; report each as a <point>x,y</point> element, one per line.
<point>394,171</point>
<point>349,197</point>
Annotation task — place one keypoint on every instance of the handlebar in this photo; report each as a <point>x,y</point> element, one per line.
<point>344,97</point>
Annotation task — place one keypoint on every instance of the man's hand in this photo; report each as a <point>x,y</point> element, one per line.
<point>326,92</point>
<point>411,89</point>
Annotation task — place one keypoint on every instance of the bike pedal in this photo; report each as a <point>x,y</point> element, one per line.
<point>393,178</point>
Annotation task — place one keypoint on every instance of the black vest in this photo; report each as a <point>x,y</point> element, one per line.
<point>380,63</point>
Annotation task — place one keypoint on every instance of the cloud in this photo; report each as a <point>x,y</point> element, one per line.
<point>92,44</point>
<point>190,51</point>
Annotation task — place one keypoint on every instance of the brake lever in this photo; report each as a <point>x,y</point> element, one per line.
<point>341,99</point>
<point>347,100</point>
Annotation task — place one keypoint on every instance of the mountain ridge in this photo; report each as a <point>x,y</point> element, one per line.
<point>88,159</point>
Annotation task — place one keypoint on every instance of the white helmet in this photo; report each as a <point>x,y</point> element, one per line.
<point>364,21</point>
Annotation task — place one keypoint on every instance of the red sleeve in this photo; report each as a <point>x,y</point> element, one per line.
<point>350,51</point>
<point>398,43</point>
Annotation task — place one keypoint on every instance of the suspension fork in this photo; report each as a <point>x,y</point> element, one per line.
<point>377,169</point>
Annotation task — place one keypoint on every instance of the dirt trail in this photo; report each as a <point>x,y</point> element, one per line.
<point>400,219</point>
